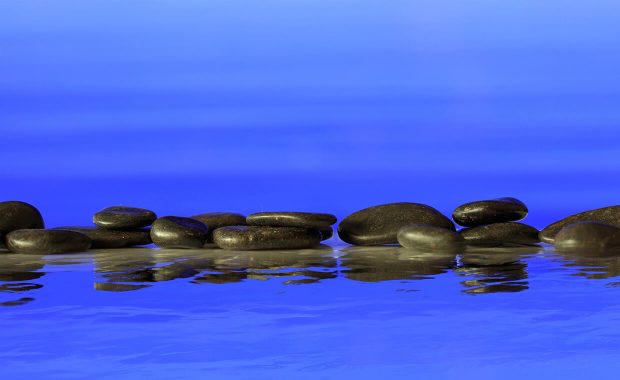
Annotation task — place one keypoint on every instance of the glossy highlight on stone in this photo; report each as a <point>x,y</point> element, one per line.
<point>121,217</point>
<point>179,232</point>
<point>291,219</point>
<point>42,241</point>
<point>429,238</point>
<point>608,215</point>
<point>587,237</point>
<point>16,215</point>
<point>490,211</point>
<point>105,238</point>
<point>215,220</point>
<point>498,234</point>
<point>262,237</point>
<point>379,225</point>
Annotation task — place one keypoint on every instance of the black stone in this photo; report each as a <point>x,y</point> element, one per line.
<point>608,215</point>
<point>326,233</point>
<point>380,224</point>
<point>16,215</point>
<point>46,241</point>
<point>291,219</point>
<point>263,237</point>
<point>105,238</point>
<point>497,234</point>
<point>490,211</point>
<point>179,232</point>
<point>430,238</point>
<point>121,217</point>
<point>587,237</point>
<point>215,220</point>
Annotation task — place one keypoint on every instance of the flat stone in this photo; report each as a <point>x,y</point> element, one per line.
<point>16,215</point>
<point>379,225</point>
<point>608,215</point>
<point>42,241</point>
<point>105,238</point>
<point>326,233</point>
<point>179,232</point>
<point>121,217</point>
<point>291,219</point>
<point>497,234</point>
<point>588,236</point>
<point>263,237</point>
<point>430,238</point>
<point>215,220</point>
<point>490,211</point>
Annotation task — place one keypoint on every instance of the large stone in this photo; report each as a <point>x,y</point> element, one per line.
<point>379,225</point>
<point>16,215</point>
<point>105,238</point>
<point>430,238</point>
<point>262,237</point>
<point>326,233</point>
<point>291,219</point>
<point>608,215</point>
<point>490,211</point>
<point>121,217</point>
<point>497,234</point>
<point>215,220</point>
<point>588,237</point>
<point>46,241</point>
<point>179,232</point>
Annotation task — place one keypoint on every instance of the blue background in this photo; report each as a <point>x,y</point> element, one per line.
<point>192,106</point>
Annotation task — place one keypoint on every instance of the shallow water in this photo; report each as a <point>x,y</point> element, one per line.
<point>336,311</point>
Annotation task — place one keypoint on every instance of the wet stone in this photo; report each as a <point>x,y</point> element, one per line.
<point>379,225</point>
<point>16,215</point>
<point>179,232</point>
<point>47,241</point>
<point>105,238</point>
<point>262,237</point>
<point>608,215</point>
<point>490,211</point>
<point>429,238</point>
<point>497,234</point>
<point>326,233</point>
<point>215,220</point>
<point>587,237</point>
<point>121,217</point>
<point>291,219</point>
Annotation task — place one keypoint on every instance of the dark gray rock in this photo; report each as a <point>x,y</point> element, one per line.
<point>430,238</point>
<point>16,215</point>
<point>497,234</point>
<point>608,215</point>
<point>105,238</point>
<point>326,233</point>
<point>263,237</point>
<point>380,224</point>
<point>215,220</point>
<point>291,219</point>
<point>46,241</point>
<point>587,237</point>
<point>490,211</point>
<point>179,232</point>
<point>121,217</point>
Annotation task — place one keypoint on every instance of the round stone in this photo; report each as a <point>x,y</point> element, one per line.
<point>608,215</point>
<point>105,238</point>
<point>215,220</point>
<point>587,237</point>
<point>121,217</point>
<point>16,215</point>
<point>490,211</point>
<point>46,241</point>
<point>379,225</point>
<point>291,219</point>
<point>430,238</point>
<point>262,237</point>
<point>326,233</point>
<point>179,232</point>
<point>497,234</point>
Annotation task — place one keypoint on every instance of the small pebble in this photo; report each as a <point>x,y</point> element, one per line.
<point>430,238</point>
<point>291,219</point>
<point>179,232</point>
<point>490,211</point>
<point>261,237</point>
<point>46,241</point>
<point>215,220</point>
<point>16,215</point>
<point>587,237</point>
<point>121,217</point>
<point>608,215</point>
<point>497,234</point>
<point>105,238</point>
<point>379,225</point>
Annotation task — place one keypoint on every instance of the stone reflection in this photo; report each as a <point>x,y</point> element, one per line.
<point>373,264</point>
<point>18,275</point>
<point>494,270</point>
<point>592,264</point>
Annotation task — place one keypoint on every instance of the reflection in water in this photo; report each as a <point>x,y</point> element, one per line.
<point>372,264</point>
<point>18,274</point>
<point>593,265</point>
